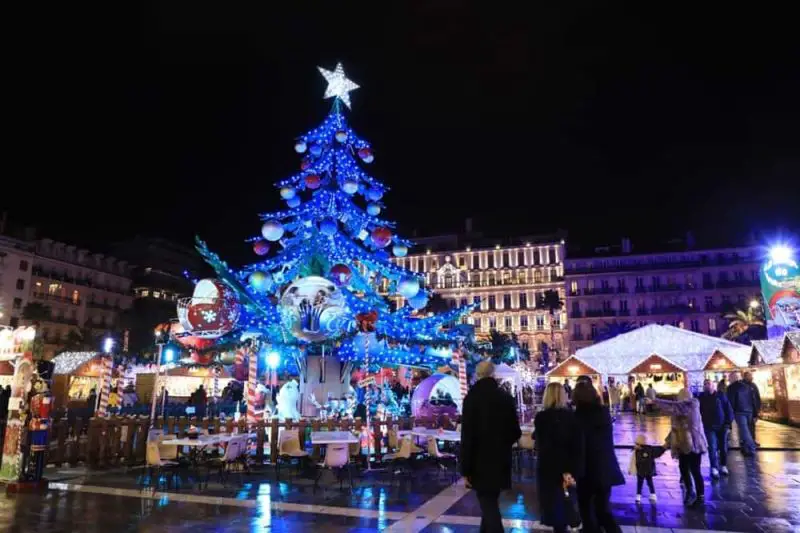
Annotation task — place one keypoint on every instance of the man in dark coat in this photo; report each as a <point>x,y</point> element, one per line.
<point>740,395</point>
<point>717,415</point>
<point>756,395</point>
<point>489,428</point>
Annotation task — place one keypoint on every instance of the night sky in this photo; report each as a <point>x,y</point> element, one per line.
<point>176,119</point>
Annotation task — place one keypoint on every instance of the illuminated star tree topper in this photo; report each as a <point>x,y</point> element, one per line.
<point>338,84</point>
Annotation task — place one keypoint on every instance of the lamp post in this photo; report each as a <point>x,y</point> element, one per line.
<point>160,342</point>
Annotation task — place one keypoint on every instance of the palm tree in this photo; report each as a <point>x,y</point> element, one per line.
<point>504,347</point>
<point>79,340</point>
<point>612,329</point>
<point>742,324</point>
<point>551,300</point>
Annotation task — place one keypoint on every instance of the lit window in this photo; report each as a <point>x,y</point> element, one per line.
<point>54,288</point>
<point>573,287</point>
<point>156,294</point>
<point>145,293</point>
<point>76,297</point>
<point>38,283</point>
<point>712,325</point>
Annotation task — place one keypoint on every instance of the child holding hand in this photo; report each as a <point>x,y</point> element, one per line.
<point>643,466</point>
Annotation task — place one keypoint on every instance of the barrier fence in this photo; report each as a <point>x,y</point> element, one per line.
<point>122,440</point>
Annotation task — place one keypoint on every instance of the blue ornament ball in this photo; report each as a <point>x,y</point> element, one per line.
<point>373,209</point>
<point>408,287</point>
<point>293,202</point>
<point>419,301</point>
<point>328,226</point>
<point>272,230</point>
<point>382,254</point>
<point>374,194</point>
<point>400,250</point>
<point>350,186</point>
<point>316,149</point>
<point>287,193</point>
<point>300,146</point>
<point>257,280</point>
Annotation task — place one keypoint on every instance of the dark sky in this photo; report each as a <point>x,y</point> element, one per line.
<point>175,119</point>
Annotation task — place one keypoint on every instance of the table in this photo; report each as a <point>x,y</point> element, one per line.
<point>446,435</point>
<point>333,437</point>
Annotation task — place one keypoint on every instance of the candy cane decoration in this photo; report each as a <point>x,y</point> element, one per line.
<point>215,389</point>
<point>105,386</point>
<point>251,387</point>
<point>462,375</point>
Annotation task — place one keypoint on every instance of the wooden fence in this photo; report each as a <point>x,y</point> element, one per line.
<point>122,440</point>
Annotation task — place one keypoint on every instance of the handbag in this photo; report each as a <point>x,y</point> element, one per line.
<point>572,514</point>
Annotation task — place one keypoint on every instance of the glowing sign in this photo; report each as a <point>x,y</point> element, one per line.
<point>780,286</point>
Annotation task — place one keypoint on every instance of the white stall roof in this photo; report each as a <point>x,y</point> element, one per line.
<point>769,351</point>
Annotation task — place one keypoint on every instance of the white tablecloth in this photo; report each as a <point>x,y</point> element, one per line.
<point>333,437</point>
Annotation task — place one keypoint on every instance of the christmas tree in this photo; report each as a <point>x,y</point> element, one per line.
<point>325,279</point>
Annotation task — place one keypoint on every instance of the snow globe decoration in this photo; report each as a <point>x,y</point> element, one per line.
<point>314,309</point>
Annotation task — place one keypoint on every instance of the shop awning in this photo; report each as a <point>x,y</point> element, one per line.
<point>766,352</point>
<point>790,353</point>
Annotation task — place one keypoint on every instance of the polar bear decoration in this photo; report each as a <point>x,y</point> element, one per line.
<point>288,397</point>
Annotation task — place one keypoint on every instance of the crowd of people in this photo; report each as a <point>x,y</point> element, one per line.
<point>577,466</point>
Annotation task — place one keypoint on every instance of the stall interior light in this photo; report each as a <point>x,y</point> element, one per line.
<point>720,363</point>
<point>573,369</point>
<point>655,366</point>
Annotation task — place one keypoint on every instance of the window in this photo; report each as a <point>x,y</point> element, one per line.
<point>523,322</point>
<point>576,308</point>
<point>76,297</point>
<point>20,284</point>
<point>553,274</point>
<point>576,331</point>
<point>23,265</point>
<point>606,305</point>
<point>726,299</point>
<point>723,277</point>
<point>536,258</point>
<point>156,294</point>
<point>545,256</point>
<point>476,299</point>
<point>740,299</point>
<point>492,322</point>
<point>462,262</point>
<point>573,288</point>
<point>539,322</point>
<point>594,331</point>
<point>17,304</point>
<point>754,275</point>
<point>656,282</point>
<point>525,345</point>
<point>621,284</point>
<point>477,322</point>
<point>145,294</point>
<point>520,257</point>
<point>604,284</point>
<point>639,283</point>
<point>492,302</point>
<point>476,263</point>
<point>54,288</point>
<point>695,325</point>
<point>623,305</point>
<point>506,301</point>
<point>508,258</point>
<point>464,301</point>
<point>738,275</point>
<point>523,300</point>
<point>537,276</point>
<point>508,323</point>
<point>490,260</point>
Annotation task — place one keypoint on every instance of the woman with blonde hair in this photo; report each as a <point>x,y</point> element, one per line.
<point>559,446</point>
<point>687,441</point>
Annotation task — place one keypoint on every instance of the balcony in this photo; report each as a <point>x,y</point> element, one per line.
<point>624,312</point>
<point>107,306</point>
<point>707,260</point>
<point>577,337</point>
<point>735,283</point>
<point>599,290</point>
<point>56,298</point>
<point>595,313</point>
<point>576,314</point>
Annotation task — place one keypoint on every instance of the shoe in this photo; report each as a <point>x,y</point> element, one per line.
<point>638,498</point>
<point>653,498</point>
<point>698,502</point>
<point>714,473</point>
<point>724,471</point>
<point>690,499</point>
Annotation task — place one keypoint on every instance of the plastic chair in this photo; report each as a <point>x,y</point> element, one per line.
<point>440,458</point>
<point>289,448</point>
<point>156,465</point>
<point>337,457</point>
<point>402,457</point>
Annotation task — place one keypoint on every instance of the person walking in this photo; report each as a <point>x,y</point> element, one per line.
<point>740,395</point>
<point>600,470</point>
<point>643,466</point>
<point>489,428</point>
<point>650,397</point>
<point>687,442</point>
<point>558,442</point>
<point>717,416</point>
<point>613,398</point>
<point>638,393</point>
<point>756,394</point>
<point>91,402</point>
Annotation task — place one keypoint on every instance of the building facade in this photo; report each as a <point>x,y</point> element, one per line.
<point>690,289</point>
<point>508,278</point>
<point>77,290</point>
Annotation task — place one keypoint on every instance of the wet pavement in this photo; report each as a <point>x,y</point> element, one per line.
<point>761,494</point>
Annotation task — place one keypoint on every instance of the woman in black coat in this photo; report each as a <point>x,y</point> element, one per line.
<point>600,470</point>
<point>558,442</point>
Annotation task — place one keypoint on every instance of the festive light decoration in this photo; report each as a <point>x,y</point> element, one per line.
<point>261,247</point>
<point>69,362</point>
<point>287,193</point>
<point>331,265</point>
<point>419,300</point>
<point>338,84</point>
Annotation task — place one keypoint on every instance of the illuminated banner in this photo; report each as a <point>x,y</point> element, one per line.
<point>780,286</point>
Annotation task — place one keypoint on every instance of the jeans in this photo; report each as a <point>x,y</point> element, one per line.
<point>717,447</point>
<point>595,507</point>
<point>743,425</point>
<point>491,521</point>
<point>640,481</point>
<point>689,465</point>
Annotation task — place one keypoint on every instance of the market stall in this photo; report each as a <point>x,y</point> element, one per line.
<point>75,375</point>
<point>6,373</point>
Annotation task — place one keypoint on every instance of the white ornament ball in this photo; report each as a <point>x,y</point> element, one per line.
<point>363,234</point>
<point>287,193</point>
<point>293,202</point>
<point>374,194</point>
<point>341,136</point>
<point>408,287</point>
<point>369,158</point>
<point>400,250</point>
<point>350,186</point>
<point>328,226</point>
<point>272,230</point>
<point>300,147</point>
<point>373,209</point>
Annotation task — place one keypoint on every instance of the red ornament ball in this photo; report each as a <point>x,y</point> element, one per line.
<point>381,237</point>
<point>312,181</point>
<point>213,310</point>
<point>365,154</point>
<point>305,164</point>
<point>261,247</point>
<point>341,274</point>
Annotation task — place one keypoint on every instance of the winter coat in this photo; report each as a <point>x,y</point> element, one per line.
<point>600,466</point>
<point>559,448</point>
<point>643,460</point>
<point>740,395</point>
<point>756,394</point>
<point>639,391</point>
<point>715,410</point>
<point>687,434</point>
<point>489,428</point>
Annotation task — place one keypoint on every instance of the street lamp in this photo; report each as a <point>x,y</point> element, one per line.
<point>780,254</point>
<point>108,345</point>
<point>754,304</point>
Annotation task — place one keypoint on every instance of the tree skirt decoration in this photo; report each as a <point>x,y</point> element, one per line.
<point>437,395</point>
